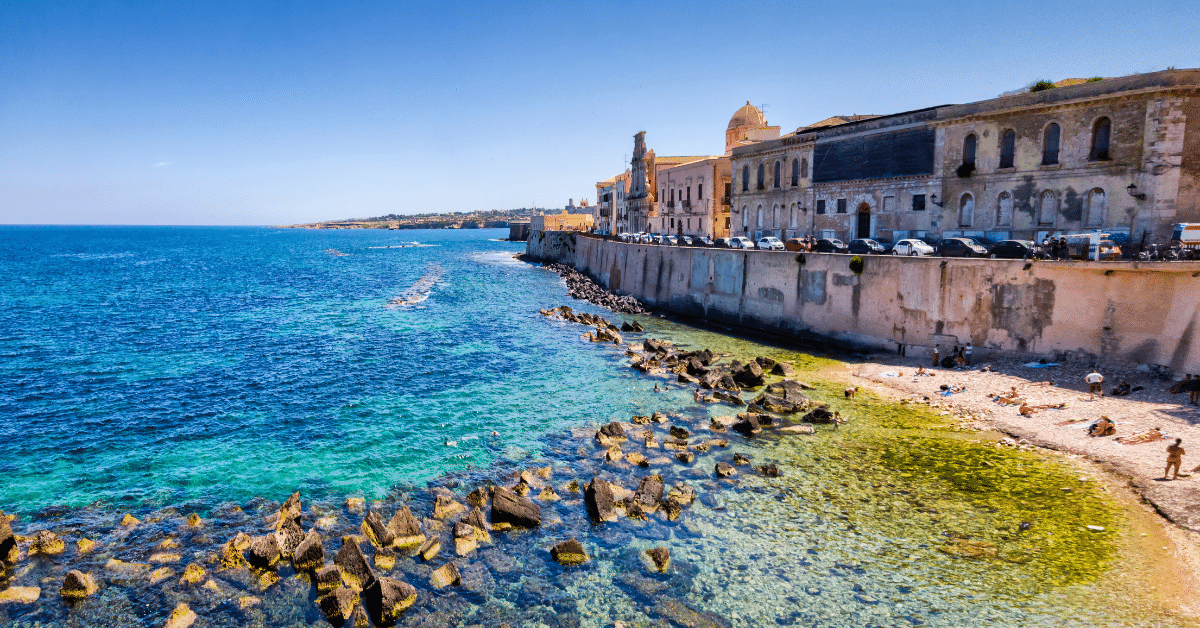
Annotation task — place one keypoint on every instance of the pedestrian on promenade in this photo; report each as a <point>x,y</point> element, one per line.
<point>967,354</point>
<point>936,350</point>
<point>1094,380</point>
<point>1174,458</point>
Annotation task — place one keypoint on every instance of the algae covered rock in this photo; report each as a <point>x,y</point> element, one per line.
<point>356,573</point>
<point>289,536</point>
<point>601,503</point>
<point>181,617</point>
<point>429,549</point>
<point>194,521</point>
<point>263,552</point>
<point>724,470</point>
<point>405,529</point>
<point>310,553</point>
<point>507,507</point>
<point>338,605</point>
<point>192,574</point>
<point>77,585</point>
<point>569,553</point>
<point>376,530</point>
<point>289,511</point>
<point>445,507</point>
<point>660,557</point>
<point>128,521</point>
<point>387,598</point>
<point>328,578</point>
<point>445,576</point>
<point>46,543</point>
<point>479,524</point>
<point>768,470</point>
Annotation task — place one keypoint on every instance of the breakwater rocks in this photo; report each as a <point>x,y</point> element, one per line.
<point>580,286</point>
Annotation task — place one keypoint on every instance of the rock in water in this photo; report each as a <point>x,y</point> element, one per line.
<point>289,511</point>
<point>181,617</point>
<point>724,470</point>
<point>479,524</point>
<point>376,531</point>
<point>515,510</point>
<point>310,553</point>
<point>445,507</point>
<point>678,431</point>
<point>445,576</point>
<point>338,605</point>
<point>649,493</point>
<point>686,457</point>
<point>611,433</point>
<point>820,414</point>
<point>46,543</point>
<point>429,549</point>
<point>8,542</point>
<point>387,598</point>
<point>192,574</point>
<point>289,536</point>
<point>263,552</point>
<point>405,529</point>
<point>748,425</point>
<point>601,504</point>
<point>359,618</point>
<point>464,539</point>
<point>741,459</point>
<point>77,585</point>
<point>769,470</point>
<point>477,498</point>
<point>20,595</point>
<point>661,557</point>
<point>569,553</point>
<point>355,571</point>
<point>782,369</point>
<point>328,578</point>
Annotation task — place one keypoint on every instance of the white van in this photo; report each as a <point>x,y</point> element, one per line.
<point>1093,246</point>
<point>1186,235</point>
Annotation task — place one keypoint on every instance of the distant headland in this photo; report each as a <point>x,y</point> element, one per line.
<point>483,219</point>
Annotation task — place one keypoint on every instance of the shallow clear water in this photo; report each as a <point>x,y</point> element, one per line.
<point>166,371</point>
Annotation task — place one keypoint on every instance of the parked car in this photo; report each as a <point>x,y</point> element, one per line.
<point>623,237</point>
<point>685,241</point>
<point>645,238</point>
<point>723,243</point>
<point>703,241</point>
<point>671,240</point>
<point>865,246</point>
<point>961,247</point>
<point>794,244</point>
<point>829,245</point>
<point>912,247</point>
<point>740,242</point>
<point>1014,249</point>
<point>770,243</point>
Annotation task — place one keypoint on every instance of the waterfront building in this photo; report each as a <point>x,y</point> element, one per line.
<point>1120,155</point>
<point>695,199</point>
<point>642,202</point>
<point>562,222</point>
<point>610,203</point>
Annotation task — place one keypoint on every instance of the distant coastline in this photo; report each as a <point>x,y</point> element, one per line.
<point>490,219</point>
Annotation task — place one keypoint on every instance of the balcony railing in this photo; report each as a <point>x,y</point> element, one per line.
<point>687,204</point>
<point>670,204</point>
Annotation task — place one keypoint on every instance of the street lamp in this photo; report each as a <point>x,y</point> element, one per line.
<point>1132,189</point>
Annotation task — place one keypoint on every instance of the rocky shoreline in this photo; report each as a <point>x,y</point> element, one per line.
<point>580,286</point>
<point>384,563</point>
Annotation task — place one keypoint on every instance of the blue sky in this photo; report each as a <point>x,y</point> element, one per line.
<point>275,112</point>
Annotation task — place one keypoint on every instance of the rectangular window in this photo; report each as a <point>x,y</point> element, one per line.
<point>672,194</point>
<point>689,193</point>
<point>841,206</point>
<point>889,204</point>
<point>918,202</point>
<point>821,206</point>
<point>699,191</point>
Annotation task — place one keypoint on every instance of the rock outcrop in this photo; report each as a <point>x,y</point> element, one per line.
<point>510,508</point>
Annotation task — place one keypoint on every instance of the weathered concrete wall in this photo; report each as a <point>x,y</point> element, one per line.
<point>1145,313</point>
<point>552,246</point>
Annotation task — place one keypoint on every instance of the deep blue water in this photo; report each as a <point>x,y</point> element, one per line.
<point>194,366</point>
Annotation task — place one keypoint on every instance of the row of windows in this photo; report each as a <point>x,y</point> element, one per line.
<point>918,204</point>
<point>1095,208</point>
<point>687,190</point>
<point>799,170</point>
<point>1051,146</point>
<point>777,220</point>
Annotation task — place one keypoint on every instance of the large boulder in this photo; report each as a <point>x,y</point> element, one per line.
<point>783,369</point>
<point>778,405</point>
<point>376,530</point>
<point>405,529</point>
<point>712,379</point>
<point>569,553</point>
<point>649,493</point>
<point>289,535</point>
<point>601,504</point>
<point>748,425</point>
<point>387,598</point>
<point>263,552</point>
<point>8,541</point>
<point>310,553</point>
<point>356,573</point>
<point>77,585</point>
<point>750,374</point>
<point>510,508</point>
<point>338,605</point>
<point>819,415</point>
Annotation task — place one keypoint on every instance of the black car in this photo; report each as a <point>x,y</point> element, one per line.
<point>826,245</point>
<point>961,247</point>
<point>866,246</point>
<point>1013,249</point>
<point>702,241</point>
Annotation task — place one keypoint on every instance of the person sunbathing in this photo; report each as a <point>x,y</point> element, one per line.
<point>1145,437</point>
<point>1103,427</point>
<point>1122,389</point>
<point>1028,410</point>
<point>921,372</point>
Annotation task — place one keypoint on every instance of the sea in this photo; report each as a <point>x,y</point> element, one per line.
<point>164,371</point>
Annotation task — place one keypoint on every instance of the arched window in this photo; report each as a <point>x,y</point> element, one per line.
<point>795,218</point>
<point>762,174</point>
<point>777,177</point>
<point>1097,208</point>
<point>1101,131</point>
<point>745,178</point>
<point>969,149</point>
<point>966,210</point>
<point>1047,207</point>
<point>745,218</point>
<point>760,217</point>
<point>775,216</point>
<point>1008,148</point>
<point>795,172</point>
<point>1050,142</point>
<point>1004,210</point>
<point>804,168</point>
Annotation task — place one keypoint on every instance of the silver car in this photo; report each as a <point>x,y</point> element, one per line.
<point>740,242</point>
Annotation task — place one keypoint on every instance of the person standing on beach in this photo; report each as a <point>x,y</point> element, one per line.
<point>936,350</point>
<point>1094,380</point>
<point>1174,458</point>
<point>967,354</point>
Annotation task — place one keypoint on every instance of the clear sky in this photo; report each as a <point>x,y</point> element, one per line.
<point>256,112</point>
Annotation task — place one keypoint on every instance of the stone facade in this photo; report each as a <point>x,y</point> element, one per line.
<point>561,222</point>
<point>695,199</point>
<point>1022,166</point>
<point>610,202</point>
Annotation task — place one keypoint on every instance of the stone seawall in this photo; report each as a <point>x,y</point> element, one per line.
<point>1119,312</point>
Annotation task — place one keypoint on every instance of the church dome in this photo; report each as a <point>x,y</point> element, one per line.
<point>749,115</point>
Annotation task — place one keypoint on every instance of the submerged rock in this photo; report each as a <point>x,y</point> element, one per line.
<point>515,510</point>
<point>181,617</point>
<point>724,470</point>
<point>741,459</point>
<point>20,595</point>
<point>569,553</point>
<point>192,574</point>
<point>769,470</point>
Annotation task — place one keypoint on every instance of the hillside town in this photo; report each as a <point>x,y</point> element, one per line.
<point>481,219</point>
<point>1117,155</point>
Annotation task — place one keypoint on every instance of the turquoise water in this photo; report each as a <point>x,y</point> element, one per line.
<point>195,366</point>
<point>161,371</point>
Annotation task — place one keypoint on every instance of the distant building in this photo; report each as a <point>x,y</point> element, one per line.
<point>610,201</point>
<point>562,222</point>
<point>1121,155</point>
<point>518,230</point>
<point>695,199</point>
